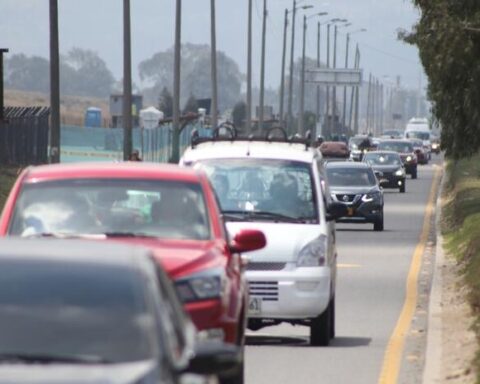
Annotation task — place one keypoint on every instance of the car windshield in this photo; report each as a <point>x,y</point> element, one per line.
<point>351,177</point>
<point>396,146</point>
<point>264,189</point>
<point>163,209</point>
<point>67,310</point>
<point>383,159</point>
<point>418,135</point>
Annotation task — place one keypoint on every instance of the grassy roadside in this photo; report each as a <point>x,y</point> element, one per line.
<point>461,229</point>
<point>8,176</point>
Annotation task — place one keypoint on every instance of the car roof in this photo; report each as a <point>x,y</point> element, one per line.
<point>383,152</point>
<point>134,170</point>
<point>252,149</point>
<point>348,164</point>
<point>404,141</point>
<point>101,253</point>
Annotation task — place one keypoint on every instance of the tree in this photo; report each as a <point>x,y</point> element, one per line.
<point>448,38</point>
<point>196,78</point>
<point>165,102</point>
<point>191,105</point>
<point>239,114</point>
<point>27,73</point>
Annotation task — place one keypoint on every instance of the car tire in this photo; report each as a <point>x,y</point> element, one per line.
<point>321,328</point>
<point>332,319</point>
<point>237,376</point>
<point>414,173</point>
<point>402,187</point>
<point>378,224</point>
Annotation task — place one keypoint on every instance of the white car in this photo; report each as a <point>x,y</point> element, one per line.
<point>279,188</point>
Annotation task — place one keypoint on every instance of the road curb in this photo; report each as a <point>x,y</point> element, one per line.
<point>433,357</point>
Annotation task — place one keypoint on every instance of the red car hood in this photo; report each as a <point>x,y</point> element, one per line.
<point>180,257</point>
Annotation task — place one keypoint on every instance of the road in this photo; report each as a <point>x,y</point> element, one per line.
<point>371,287</point>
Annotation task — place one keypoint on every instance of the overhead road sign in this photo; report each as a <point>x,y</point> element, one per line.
<point>334,77</point>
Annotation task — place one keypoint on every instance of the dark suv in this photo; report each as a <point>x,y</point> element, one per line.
<point>406,151</point>
<point>355,185</point>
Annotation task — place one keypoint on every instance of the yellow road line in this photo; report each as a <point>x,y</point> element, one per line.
<point>393,355</point>
<point>348,265</point>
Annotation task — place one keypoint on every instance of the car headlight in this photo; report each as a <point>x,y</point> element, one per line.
<point>400,172</point>
<point>314,254</point>
<point>200,287</point>
<point>409,158</point>
<point>369,197</point>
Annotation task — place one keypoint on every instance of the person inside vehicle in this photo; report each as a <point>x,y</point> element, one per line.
<point>283,195</point>
<point>222,189</point>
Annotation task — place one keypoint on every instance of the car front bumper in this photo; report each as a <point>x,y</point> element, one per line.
<point>299,293</point>
<point>363,213</point>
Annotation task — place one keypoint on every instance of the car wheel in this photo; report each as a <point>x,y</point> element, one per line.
<point>414,173</point>
<point>378,224</point>
<point>402,187</point>
<point>237,376</point>
<point>321,328</point>
<point>332,318</point>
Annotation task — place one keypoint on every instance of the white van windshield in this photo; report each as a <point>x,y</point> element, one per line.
<point>263,190</point>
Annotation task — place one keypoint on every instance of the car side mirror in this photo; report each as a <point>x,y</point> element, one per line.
<point>213,358</point>
<point>248,240</point>
<point>336,210</point>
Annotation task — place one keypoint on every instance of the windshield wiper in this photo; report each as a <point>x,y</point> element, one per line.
<point>34,358</point>
<point>276,217</point>
<point>59,235</point>
<point>129,234</point>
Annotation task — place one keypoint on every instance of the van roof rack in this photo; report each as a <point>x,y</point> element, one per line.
<point>227,132</point>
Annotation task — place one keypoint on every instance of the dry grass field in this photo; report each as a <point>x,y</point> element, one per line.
<point>72,107</point>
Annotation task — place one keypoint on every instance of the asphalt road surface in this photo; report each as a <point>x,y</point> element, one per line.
<point>371,290</point>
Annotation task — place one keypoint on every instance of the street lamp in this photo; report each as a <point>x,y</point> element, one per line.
<point>344,117</point>
<point>292,52</point>
<point>176,84</point>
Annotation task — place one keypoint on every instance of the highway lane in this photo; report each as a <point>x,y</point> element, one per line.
<point>373,268</point>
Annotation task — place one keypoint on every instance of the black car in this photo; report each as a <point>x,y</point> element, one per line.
<point>406,151</point>
<point>91,312</point>
<point>355,185</point>
<point>388,168</point>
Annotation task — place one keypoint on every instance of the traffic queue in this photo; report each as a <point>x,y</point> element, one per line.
<point>153,273</point>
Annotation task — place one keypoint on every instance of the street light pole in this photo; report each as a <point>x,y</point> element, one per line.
<point>249,70</point>
<point>54,84</point>
<point>127,82</point>
<point>301,127</point>
<point>262,70</point>
<point>327,113</point>
<point>290,82</point>
<point>176,84</point>
<point>344,116</point>
<point>334,88</point>
<point>214,65</point>
<point>319,26</point>
<point>282,79</point>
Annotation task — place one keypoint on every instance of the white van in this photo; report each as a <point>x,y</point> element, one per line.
<point>419,128</point>
<point>279,188</point>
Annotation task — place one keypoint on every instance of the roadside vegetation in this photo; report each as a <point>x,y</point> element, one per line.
<point>461,228</point>
<point>8,174</point>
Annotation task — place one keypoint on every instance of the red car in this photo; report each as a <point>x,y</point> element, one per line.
<point>169,209</point>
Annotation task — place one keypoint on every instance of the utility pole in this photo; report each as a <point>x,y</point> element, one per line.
<point>176,84</point>
<point>301,127</point>
<point>249,70</point>
<point>290,83</point>
<point>214,65</point>
<point>357,97</point>
<point>2,100</point>
<point>334,90</point>
<point>262,71</point>
<point>327,113</point>
<point>344,116</point>
<point>282,78</point>
<point>369,100</point>
<point>352,97</point>
<point>319,29</point>
<point>54,84</point>
<point>127,82</point>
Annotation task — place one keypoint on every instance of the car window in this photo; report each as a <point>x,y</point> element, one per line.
<point>279,187</point>
<point>396,146</point>
<point>164,209</point>
<point>382,159</point>
<point>71,310</point>
<point>351,177</point>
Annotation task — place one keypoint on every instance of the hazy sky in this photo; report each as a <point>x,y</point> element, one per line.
<point>97,25</point>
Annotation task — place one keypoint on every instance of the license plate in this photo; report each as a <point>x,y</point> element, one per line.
<point>350,211</point>
<point>255,306</point>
